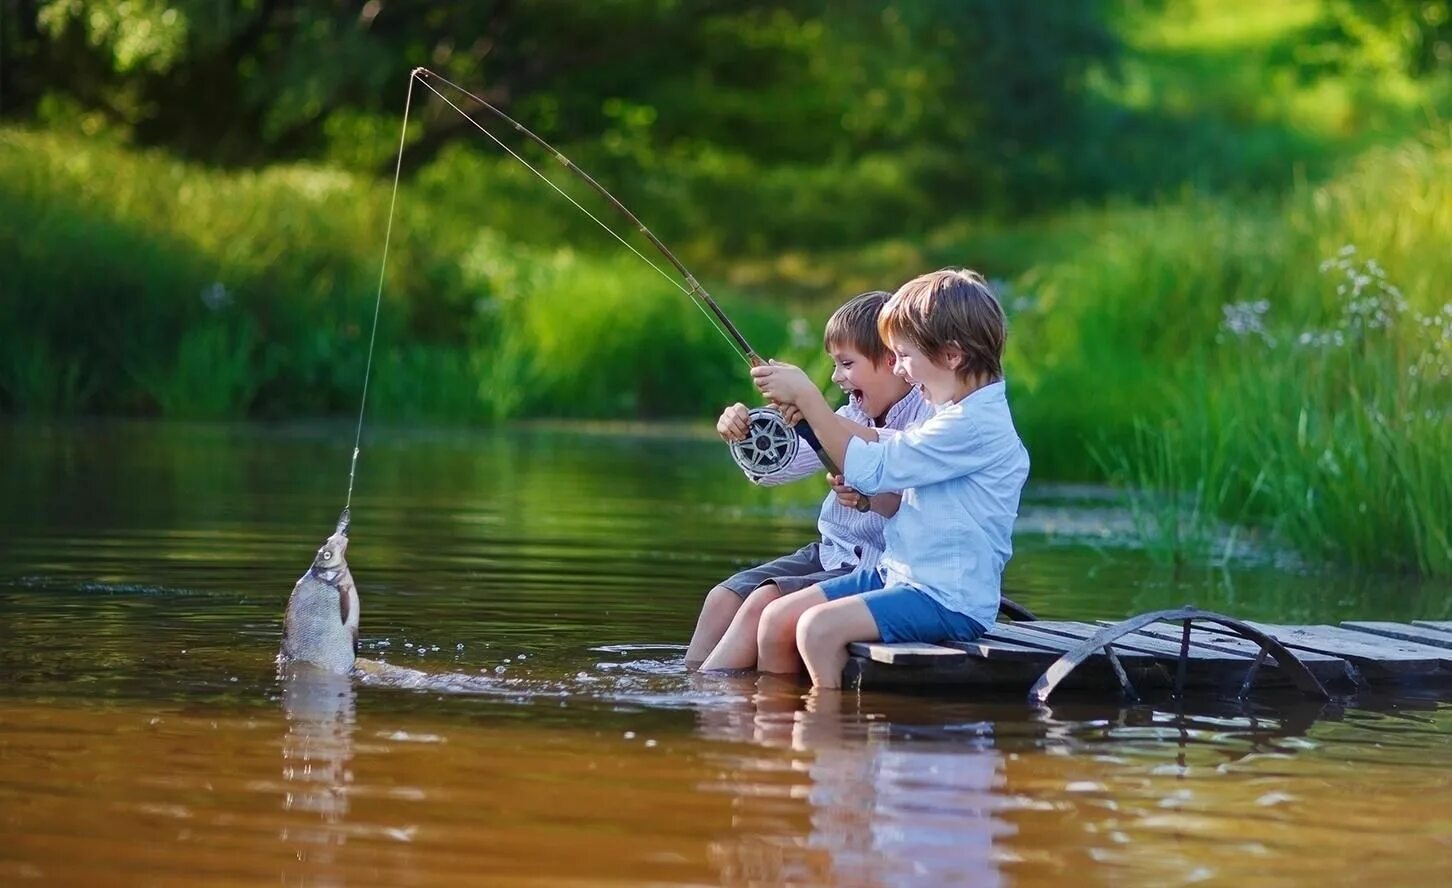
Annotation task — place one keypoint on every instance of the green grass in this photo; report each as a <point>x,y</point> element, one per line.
<point>135,284</point>
<point>1313,405</point>
<point>164,289</point>
<point>138,284</point>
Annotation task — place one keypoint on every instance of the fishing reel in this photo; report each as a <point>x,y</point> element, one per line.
<point>769,446</point>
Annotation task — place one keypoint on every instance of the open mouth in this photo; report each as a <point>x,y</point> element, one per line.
<point>854,395</point>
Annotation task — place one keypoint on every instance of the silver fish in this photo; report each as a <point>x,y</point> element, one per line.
<point>321,626</point>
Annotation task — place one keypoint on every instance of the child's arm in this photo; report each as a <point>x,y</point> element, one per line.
<point>945,446</point>
<point>948,445</point>
<point>884,504</point>
<point>856,429</point>
<point>787,384</point>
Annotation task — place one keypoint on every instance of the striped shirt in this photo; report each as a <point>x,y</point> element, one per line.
<point>850,538</point>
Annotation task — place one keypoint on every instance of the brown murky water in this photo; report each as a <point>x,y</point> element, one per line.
<point>144,737</point>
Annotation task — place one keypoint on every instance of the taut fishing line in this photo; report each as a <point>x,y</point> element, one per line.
<point>738,343</point>
<point>377,305</point>
<point>770,443</point>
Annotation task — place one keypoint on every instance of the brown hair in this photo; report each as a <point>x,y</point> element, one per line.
<point>951,308</point>
<point>855,326</point>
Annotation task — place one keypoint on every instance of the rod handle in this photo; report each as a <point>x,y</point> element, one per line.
<point>804,431</point>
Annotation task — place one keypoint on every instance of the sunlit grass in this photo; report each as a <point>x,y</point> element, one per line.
<point>136,284</point>
<point>1219,24</point>
<point>1336,437</point>
<point>139,284</point>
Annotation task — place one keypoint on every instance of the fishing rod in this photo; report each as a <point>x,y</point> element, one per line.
<point>770,443</point>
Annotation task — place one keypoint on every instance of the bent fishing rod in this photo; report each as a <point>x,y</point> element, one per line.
<point>770,444</point>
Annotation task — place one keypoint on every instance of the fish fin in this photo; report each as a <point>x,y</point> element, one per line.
<point>343,602</point>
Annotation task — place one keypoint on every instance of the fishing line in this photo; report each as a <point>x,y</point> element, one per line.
<point>770,444</point>
<point>378,300</point>
<point>691,293</point>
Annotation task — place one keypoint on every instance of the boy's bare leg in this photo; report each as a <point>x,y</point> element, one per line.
<point>824,632</point>
<point>737,648</point>
<point>776,639</point>
<point>716,614</point>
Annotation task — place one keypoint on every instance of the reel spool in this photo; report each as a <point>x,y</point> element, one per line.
<point>769,446</point>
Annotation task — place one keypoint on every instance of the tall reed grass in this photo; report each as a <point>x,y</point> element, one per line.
<point>1310,399</point>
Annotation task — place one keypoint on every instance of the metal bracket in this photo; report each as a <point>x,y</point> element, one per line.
<point>1288,663</point>
<point>1014,611</point>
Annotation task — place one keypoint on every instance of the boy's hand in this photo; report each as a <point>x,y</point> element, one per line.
<point>782,383</point>
<point>845,495</point>
<point>790,414</point>
<point>734,423</point>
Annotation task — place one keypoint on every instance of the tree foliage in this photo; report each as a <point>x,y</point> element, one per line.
<point>986,91</point>
<point>802,121</point>
<point>1410,36</point>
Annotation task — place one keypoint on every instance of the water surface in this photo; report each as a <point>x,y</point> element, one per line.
<point>556,573</point>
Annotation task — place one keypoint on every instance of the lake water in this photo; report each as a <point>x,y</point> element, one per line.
<point>145,737</point>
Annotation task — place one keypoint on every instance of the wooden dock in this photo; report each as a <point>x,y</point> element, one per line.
<point>1183,649</point>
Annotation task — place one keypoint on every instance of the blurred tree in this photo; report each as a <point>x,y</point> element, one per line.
<point>1410,36</point>
<point>985,94</point>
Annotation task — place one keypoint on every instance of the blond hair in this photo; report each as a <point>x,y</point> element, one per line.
<point>950,308</point>
<point>855,325</point>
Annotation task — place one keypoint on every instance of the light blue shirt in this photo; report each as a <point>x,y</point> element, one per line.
<point>960,472</point>
<point>850,538</point>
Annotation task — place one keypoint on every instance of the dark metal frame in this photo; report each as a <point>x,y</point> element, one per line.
<point>1288,662</point>
<point>1007,607</point>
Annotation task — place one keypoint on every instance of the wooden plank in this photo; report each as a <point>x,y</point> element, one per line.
<point>1022,634</point>
<point>1402,631</point>
<point>1149,644</point>
<point>1376,658</point>
<point>995,649</point>
<point>1439,625</point>
<point>1236,644</point>
<point>1326,668</point>
<point>1206,666</point>
<point>998,666</point>
<point>906,653</point>
<point>864,674</point>
<point>1094,673</point>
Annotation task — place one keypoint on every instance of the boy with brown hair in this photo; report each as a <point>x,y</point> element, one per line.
<point>851,535</point>
<point>960,473</point>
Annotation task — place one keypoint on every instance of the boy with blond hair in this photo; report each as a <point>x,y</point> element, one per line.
<point>960,472</point>
<point>851,526</point>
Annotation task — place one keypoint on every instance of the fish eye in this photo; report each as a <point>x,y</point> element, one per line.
<point>328,556</point>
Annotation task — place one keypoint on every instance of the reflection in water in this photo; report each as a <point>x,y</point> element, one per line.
<point>320,711</point>
<point>1256,728</point>
<point>903,791</point>
<point>883,809</point>
<point>890,811</point>
<point>143,574</point>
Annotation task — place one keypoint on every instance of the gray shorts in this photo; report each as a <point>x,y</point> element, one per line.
<point>790,573</point>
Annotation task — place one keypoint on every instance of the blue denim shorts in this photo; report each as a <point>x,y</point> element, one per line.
<point>902,613</point>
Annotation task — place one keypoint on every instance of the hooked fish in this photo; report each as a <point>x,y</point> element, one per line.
<point>321,625</point>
